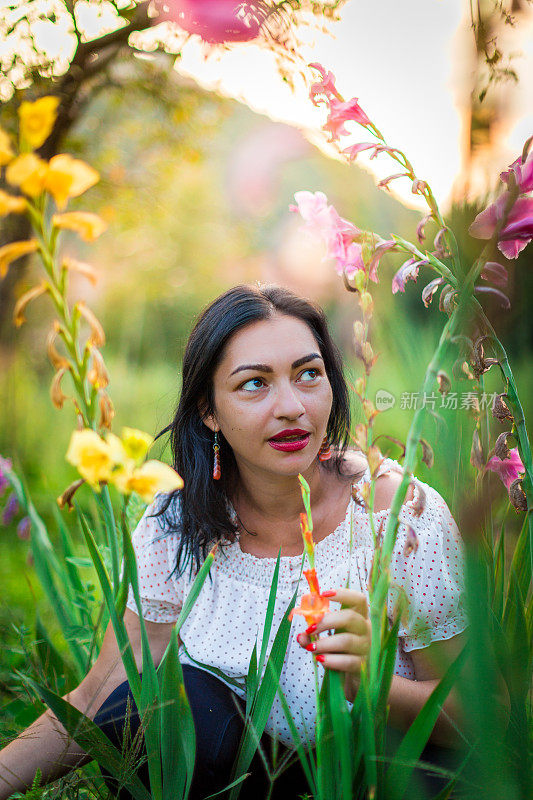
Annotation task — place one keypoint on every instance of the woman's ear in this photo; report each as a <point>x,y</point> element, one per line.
<point>206,417</point>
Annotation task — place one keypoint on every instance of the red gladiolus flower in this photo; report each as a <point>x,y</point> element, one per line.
<point>312,606</point>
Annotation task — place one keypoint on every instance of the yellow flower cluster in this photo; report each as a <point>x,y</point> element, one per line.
<point>62,177</point>
<point>120,461</point>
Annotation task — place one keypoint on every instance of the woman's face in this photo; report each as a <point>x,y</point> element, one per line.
<point>272,396</point>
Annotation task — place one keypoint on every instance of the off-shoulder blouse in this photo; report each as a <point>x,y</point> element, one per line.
<point>228,616</point>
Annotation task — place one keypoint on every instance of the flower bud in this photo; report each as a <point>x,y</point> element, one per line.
<point>98,375</point>
<point>107,412</point>
<point>65,499</point>
<point>358,331</point>
<point>58,361</point>
<point>501,449</point>
<point>411,542</point>
<point>477,458</point>
<point>360,386</point>
<point>361,435</point>
<point>21,304</point>
<point>366,303</point>
<point>447,300</point>
<point>517,496</point>
<point>427,453</point>
<point>444,382</point>
<point>97,337</point>
<point>369,410</point>
<point>500,409</point>
<point>419,502</point>
<point>375,459</point>
<point>73,265</point>
<point>56,393</point>
<point>359,280</point>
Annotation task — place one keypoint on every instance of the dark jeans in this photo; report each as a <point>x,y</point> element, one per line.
<point>218,727</point>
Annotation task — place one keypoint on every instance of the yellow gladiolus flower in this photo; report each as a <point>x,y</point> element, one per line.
<point>6,151</point>
<point>28,171</point>
<point>37,120</point>
<point>9,204</point>
<point>89,226</point>
<point>92,456</point>
<point>10,252</point>
<point>136,443</point>
<point>152,477</point>
<point>68,177</point>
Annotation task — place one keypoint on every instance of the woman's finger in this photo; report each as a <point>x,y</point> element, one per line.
<point>347,618</point>
<point>351,598</point>
<point>341,643</point>
<point>341,662</point>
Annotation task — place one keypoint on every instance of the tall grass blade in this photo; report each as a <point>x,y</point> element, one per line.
<point>178,738</point>
<point>264,697</point>
<point>89,736</point>
<point>416,738</point>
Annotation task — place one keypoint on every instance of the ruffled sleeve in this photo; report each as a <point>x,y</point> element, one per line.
<point>428,565</point>
<point>161,595</point>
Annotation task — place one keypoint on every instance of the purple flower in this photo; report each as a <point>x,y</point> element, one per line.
<point>5,466</point>
<point>10,509</point>
<point>508,469</point>
<point>518,229</point>
<point>523,174</point>
<point>23,528</point>
<point>495,273</point>
<point>408,271</point>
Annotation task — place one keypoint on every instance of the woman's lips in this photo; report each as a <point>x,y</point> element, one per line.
<point>290,445</point>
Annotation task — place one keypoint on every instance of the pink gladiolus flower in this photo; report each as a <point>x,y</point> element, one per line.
<point>338,233</point>
<point>215,21</point>
<point>518,229</point>
<point>353,151</point>
<point>339,113</point>
<point>380,251</point>
<point>523,173</point>
<point>507,469</point>
<point>324,90</point>
<point>408,271</point>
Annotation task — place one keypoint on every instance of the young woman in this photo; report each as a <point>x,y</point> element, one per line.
<point>263,399</point>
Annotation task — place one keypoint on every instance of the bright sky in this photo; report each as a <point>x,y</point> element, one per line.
<point>401,59</point>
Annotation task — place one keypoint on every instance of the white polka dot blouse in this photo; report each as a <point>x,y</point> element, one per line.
<point>228,616</point>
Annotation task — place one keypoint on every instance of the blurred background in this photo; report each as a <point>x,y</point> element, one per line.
<point>201,147</point>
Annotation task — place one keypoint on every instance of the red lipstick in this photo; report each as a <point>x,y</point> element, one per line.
<point>290,440</point>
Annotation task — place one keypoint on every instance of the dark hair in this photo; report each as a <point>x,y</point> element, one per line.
<point>200,511</point>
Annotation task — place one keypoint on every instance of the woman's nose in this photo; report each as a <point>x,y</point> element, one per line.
<point>288,404</point>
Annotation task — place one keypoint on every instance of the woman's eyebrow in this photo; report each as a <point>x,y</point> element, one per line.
<point>266,368</point>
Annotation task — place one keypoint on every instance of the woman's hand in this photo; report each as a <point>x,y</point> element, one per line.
<point>345,650</point>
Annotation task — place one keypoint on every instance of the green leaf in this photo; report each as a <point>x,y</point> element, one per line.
<point>178,738</point>
<point>414,741</point>
<point>52,663</point>
<point>264,697</point>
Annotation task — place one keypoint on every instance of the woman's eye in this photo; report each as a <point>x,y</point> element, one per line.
<point>309,374</point>
<point>252,385</point>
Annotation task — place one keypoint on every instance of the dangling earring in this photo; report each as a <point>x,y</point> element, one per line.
<point>325,450</point>
<point>216,459</point>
